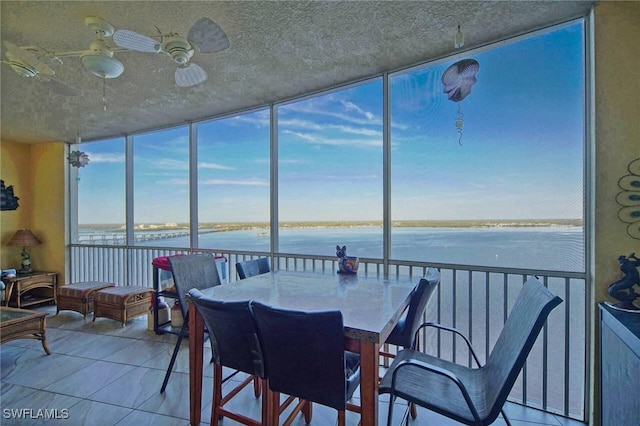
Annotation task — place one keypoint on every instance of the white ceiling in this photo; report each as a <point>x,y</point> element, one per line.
<point>278,50</point>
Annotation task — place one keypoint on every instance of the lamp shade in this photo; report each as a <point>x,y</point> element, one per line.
<point>24,238</point>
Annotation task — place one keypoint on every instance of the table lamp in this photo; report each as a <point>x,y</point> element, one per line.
<point>24,238</point>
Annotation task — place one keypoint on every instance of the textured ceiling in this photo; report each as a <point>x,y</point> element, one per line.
<point>278,50</point>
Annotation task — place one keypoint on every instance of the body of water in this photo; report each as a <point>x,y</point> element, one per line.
<point>558,248</point>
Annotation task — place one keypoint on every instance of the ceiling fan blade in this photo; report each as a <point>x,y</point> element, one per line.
<point>60,88</point>
<point>134,41</point>
<point>208,36</point>
<point>190,75</point>
<point>14,53</point>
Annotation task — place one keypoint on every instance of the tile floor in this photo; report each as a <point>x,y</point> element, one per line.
<point>102,374</point>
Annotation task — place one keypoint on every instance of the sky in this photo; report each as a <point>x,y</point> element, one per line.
<point>520,155</point>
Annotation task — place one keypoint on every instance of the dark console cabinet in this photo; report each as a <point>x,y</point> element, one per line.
<point>619,367</point>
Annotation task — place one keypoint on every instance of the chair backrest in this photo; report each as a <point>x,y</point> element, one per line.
<point>252,267</point>
<point>418,303</point>
<point>232,332</point>
<point>304,353</point>
<point>528,315</point>
<point>197,271</point>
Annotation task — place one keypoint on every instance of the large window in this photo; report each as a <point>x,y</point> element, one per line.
<point>233,183</point>
<point>161,187</point>
<point>493,178</point>
<point>330,172</point>
<point>473,182</point>
<point>502,186</point>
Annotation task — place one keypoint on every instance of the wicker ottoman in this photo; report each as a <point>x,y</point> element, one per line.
<point>79,296</point>
<point>122,303</point>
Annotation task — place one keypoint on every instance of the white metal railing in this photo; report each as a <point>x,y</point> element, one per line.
<point>474,299</point>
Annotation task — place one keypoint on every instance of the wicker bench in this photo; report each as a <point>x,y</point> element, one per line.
<point>79,296</point>
<point>122,303</point>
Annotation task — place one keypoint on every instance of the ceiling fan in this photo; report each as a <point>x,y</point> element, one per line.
<point>204,36</point>
<point>27,65</point>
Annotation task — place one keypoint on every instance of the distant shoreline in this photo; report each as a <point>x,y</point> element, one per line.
<point>242,226</point>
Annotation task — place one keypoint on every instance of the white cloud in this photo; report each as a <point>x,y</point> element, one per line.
<point>298,123</point>
<point>214,166</point>
<point>304,136</point>
<point>237,182</point>
<point>171,164</point>
<point>352,143</point>
<point>105,158</point>
<point>350,106</point>
<point>329,106</point>
<point>359,130</point>
<point>290,161</point>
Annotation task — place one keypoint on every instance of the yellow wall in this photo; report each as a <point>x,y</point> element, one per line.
<point>617,142</point>
<point>15,170</point>
<point>37,175</point>
<point>617,120</point>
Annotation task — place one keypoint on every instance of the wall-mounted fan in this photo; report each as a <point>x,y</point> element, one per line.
<point>204,36</point>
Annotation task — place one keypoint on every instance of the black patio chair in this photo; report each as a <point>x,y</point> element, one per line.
<point>473,396</point>
<point>252,267</point>
<point>234,344</point>
<point>197,271</point>
<point>305,357</point>
<point>404,333</point>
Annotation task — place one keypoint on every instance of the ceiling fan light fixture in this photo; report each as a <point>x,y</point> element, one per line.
<point>102,66</point>
<point>179,49</point>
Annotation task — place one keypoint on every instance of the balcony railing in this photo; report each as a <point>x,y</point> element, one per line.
<point>474,299</point>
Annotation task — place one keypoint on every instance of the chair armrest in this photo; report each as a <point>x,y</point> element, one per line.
<point>452,330</point>
<point>440,371</point>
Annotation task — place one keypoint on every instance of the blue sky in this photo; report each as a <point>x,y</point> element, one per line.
<point>521,155</point>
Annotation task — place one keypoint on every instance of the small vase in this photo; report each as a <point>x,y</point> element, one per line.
<point>176,316</point>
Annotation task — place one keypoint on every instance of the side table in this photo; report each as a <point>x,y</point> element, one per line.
<point>30,289</point>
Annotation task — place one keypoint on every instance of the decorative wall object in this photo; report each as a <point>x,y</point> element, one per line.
<point>457,81</point>
<point>622,290</point>
<point>78,159</point>
<point>8,200</point>
<point>629,199</point>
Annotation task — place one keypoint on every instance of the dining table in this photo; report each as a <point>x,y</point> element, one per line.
<point>371,305</point>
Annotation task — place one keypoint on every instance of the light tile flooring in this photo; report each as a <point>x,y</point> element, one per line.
<point>100,373</point>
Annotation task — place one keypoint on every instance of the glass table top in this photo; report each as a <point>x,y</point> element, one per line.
<point>9,314</point>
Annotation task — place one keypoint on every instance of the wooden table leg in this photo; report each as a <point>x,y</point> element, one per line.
<point>196,343</point>
<point>369,382</point>
<point>43,335</point>
<point>7,293</point>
